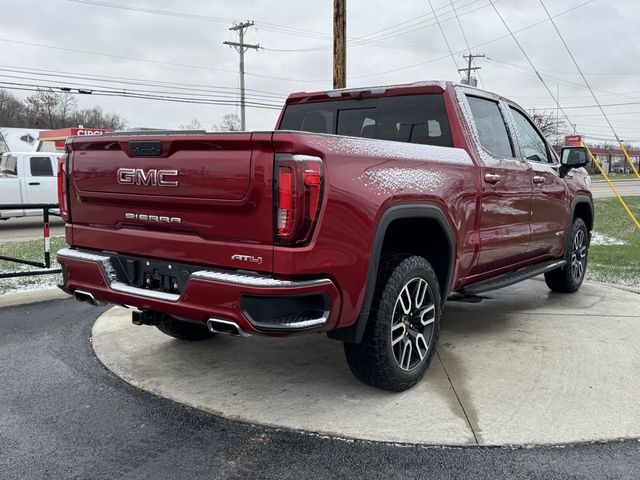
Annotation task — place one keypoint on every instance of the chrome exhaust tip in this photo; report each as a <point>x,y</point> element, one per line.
<point>225,327</point>
<point>86,297</point>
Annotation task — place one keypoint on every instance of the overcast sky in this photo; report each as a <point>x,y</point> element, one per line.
<point>391,42</point>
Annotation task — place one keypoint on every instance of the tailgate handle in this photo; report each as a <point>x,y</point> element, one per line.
<point>146,149</point>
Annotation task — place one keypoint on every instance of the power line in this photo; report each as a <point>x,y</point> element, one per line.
<point>497,39</point>
<point>146,60</point>
<point>113,93</point>
<point>578,107</point>
<point>127,81</point>
<point>579,70</point>
<point>469,53</point>
<point>530,62</point>
<point>279,28</point>
<point>366,41</point>
<point>206,18</point>
<point>92,87</point>
<point>200,67</point>
<point>599,115</point>
<point>405,25</point>
<point>560,80</point>
<point>464,35</point>
<point>202,18</point>
<point>416,27</point>
<point>444,36</point>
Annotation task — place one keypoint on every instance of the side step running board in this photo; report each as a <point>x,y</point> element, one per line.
<point>513,277</point>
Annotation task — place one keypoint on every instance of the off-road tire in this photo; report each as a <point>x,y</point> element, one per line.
<point>372,361</point>
<point>564,279</point>
<point>191,332</point>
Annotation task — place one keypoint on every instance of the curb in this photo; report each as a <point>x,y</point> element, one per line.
<point>35,296</point>
<point>613,285</point>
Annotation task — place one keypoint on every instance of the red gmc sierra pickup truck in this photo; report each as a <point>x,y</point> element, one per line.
<point>358,216</point>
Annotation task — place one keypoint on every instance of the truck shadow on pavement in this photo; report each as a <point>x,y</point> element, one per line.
<point>516,368</point>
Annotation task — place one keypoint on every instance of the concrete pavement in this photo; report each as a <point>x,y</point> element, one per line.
<point>522,367</point>
<point>28,228</point>
<point>34,296</point>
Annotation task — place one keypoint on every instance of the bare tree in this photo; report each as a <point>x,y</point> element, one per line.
<point>193,124</point>
<point>12,111</point>
<point>50,109</point>
<point>42,109</point>
<point>551,126</point>
<point>95,117</point>
<point>229,123</point>
<point>113,121</point>
<point>66,108</point>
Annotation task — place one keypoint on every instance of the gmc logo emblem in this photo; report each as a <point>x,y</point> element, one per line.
<point>152,177</point>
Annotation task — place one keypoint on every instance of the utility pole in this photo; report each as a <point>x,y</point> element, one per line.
<point>469,80</point>
<point>242,47</point>
<point>339,43</point>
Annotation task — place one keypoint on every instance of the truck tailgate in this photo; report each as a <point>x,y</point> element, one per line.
<point>204,198</point>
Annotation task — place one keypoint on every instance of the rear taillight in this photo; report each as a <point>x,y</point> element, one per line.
<point>62,188</point>
<point>298,197</point>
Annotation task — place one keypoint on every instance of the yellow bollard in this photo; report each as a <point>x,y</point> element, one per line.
<point>626,154</point>
<point>615,190</point>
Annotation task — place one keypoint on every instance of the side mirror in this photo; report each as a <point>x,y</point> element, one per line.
<point>573,157</point>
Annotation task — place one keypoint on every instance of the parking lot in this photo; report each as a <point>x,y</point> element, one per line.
<point>351,239</point>
<point>66,416</point>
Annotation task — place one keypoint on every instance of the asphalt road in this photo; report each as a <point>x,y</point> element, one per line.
<point>62,415</point>
<point>28,228</point>
<point>627,188</point>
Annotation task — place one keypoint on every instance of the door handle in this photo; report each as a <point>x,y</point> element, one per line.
<point>538,179</point>
<point>491,178</point>
<point>34,183</point>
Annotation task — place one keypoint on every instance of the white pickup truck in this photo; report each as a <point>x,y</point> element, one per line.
<point>27,179</point>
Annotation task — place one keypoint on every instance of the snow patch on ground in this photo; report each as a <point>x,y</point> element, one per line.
<point>18,285</point>
<point>613,278</point>
<point>603,239</point>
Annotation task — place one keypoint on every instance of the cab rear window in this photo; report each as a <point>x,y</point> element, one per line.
<point>409,118</point>
<point>9,165</point>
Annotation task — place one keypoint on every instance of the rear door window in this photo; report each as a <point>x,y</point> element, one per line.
<point>411,119</point>
<point>491,126</point>
<point>532,144</point>
<point>41,167</point>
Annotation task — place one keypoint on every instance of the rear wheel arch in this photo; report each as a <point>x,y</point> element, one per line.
<point>391,237</point>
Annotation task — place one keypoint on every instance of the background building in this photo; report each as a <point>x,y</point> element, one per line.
<point>19,139</point>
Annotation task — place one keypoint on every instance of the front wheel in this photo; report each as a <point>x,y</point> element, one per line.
<point>569,278</point>
<point>401,335</point>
